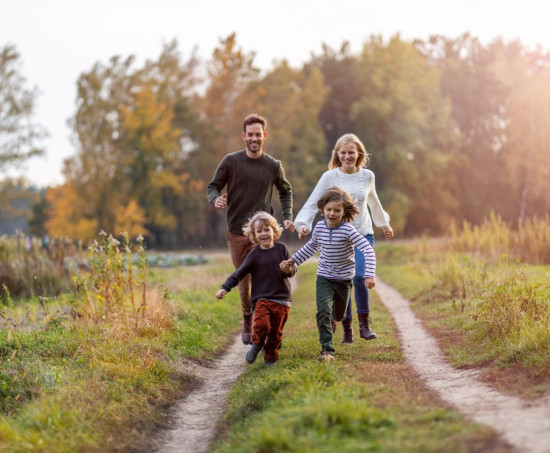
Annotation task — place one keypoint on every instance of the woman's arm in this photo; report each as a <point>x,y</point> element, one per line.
<point>305,217</point>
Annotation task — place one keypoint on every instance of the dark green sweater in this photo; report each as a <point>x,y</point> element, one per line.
<point>250,185</point>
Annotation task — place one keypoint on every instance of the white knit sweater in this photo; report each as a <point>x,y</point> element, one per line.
<point>361,187</point>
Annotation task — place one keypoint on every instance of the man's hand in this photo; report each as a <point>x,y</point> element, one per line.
<point>302,233</point>
<point>288,225</point>
<point>388,232</point>
<point>369,282</point>
<point>221,293</point>
<point>221,202</point>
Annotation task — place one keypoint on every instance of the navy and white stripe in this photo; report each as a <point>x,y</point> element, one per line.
<point>336,244</point>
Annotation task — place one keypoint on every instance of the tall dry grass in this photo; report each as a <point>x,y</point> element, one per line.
<point>529,241</point>
<point>29,268</point>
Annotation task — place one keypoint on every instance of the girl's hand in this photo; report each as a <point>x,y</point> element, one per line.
<point>286,266</point>
<point>388,232</point>
<point>369,282</point>
<point>302,233</point>
<point>221,293</point>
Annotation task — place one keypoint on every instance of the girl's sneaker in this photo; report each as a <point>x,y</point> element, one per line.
<point>326,357</point>
<point>269,364</point>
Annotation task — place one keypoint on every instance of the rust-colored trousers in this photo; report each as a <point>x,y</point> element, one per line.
<point>268,322</point>
<point>239,246</point>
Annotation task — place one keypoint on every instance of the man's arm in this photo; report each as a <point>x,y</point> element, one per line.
<point>285,193</point>
<point>285,197</point>
<point>218,182</point>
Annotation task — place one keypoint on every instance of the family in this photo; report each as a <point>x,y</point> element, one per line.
<point>345,196</point>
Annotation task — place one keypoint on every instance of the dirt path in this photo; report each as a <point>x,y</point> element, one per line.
<point>525,425</point>
<point>194,419</point>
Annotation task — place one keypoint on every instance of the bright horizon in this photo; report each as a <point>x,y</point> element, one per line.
<point>60,39</point>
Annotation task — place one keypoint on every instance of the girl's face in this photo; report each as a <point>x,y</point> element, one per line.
<point>334,213</point>
<point>264,235</point>
<point>348,155</point>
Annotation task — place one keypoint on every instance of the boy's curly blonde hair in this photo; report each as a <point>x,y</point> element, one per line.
<point>267,220</point>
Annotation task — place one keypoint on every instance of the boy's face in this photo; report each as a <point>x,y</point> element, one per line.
<point>264,235</point>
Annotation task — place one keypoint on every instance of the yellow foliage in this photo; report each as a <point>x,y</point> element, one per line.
<point>130,219</point>
<point>66,216</point>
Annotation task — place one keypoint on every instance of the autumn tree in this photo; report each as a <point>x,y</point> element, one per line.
<point>19,136</point>
<point>526,128</point>
<point>407,127</point>
<point>129,170</point>
<point>478,99</point>
<point>291,99</point>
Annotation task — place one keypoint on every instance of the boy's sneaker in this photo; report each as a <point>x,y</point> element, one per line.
<point>269,364</point>
<point>326,357</point>
<point>252,353</point>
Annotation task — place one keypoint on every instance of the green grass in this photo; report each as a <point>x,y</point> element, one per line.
<point>68,385</point>
<point>368,400</point>
<point>485,313</point>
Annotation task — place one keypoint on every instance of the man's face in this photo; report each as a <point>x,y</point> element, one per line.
<point>254,137</point>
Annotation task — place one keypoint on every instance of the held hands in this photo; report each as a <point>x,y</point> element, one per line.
<point>221,201</point>
<point>289,226</point>
<point>302,232</point>
<point>286,266</point>
<point>221,293</point>
<point>369,282</point>
<point>388,232</point>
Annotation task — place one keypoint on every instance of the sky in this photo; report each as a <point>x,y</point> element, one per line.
<point>60,39</point>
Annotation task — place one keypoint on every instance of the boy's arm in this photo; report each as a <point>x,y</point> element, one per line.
<point>308,249</point>
<point>289,266</point>
<point>233,280</point>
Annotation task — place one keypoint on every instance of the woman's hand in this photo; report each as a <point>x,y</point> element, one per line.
<point>302,232</point>
<point>388,232</point>
<point>221,293</point>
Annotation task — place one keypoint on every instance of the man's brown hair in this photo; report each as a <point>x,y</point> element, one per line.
<point>255,118</point>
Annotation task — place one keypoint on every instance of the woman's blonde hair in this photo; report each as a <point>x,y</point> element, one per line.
<point>267,220</point>
<point>362,158</point>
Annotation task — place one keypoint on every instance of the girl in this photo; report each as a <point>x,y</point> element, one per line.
<point>335,237</point>
<point>346,170</point>
<point>271,292</point>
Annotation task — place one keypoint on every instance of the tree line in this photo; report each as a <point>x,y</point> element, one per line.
<point>455,130</point>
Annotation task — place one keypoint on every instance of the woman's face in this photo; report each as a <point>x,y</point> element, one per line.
<point>348,155</point>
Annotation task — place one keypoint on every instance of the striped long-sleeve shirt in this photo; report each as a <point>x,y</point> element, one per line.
<point>337,261</point>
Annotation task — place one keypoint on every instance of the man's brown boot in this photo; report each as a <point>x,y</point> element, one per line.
<point>364,327</point>
<point>246,334</point>
<point>348,331</point>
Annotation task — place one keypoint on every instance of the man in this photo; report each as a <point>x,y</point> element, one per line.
<point>249,176</point>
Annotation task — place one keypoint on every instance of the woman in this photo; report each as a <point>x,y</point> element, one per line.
<point>346,172</point>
